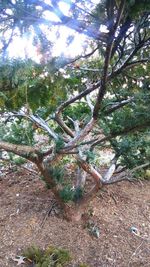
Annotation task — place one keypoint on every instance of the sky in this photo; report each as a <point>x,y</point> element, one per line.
<point>20,47</point>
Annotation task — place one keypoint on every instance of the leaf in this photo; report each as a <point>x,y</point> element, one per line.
<point>19,260</point>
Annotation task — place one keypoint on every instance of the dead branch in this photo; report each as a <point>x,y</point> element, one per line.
<point>127,175</point>
<point>111,170</point>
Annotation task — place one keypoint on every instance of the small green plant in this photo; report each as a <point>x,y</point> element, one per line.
<point>78,193</point>
<point>60,256</point>
<point>67,193</point>
<point>57,174</point>
<point>33,253</point>
<point>51,257</point>
<point>19,161</point>
<point>59,144</point>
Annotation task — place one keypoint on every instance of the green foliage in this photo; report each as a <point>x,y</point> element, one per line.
<point>18,161</point>
<point>61,256</point>
<point>33,253</point>
<point>132,149</point>
<point>25,82</point>
<point>17,132</point>
<point>130,115</point>
<point>54,257</point>
<point>68,193</point>
<point>79,111</point>
<point>59,144</point>
<point>78,193</point>
<point>90,156</point>
<point>57,173</point>
<point>137,7</point>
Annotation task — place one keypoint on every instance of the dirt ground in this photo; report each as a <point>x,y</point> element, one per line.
<point>121,213</point>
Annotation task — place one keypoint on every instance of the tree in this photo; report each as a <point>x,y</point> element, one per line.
<point>100,100</point>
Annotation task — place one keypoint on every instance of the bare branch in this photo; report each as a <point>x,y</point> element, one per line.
<point>90,170</point>
<point>117,105</point>
<point>62,124</point>
<point>81,178</point>
<point>136,62</point>
<point>102,89</point>
<point>111,170</point>
<point>127,64</point>
<point>89,102</point>
<point>124,66</point>
<point>78,25</point>
<point>122,33</point>
<point>75,124</point>
<point>83,56</point>
<point>84,132</point>
<point>39,121</point>
<point>127,175</point>
<point>119,15</point>
<point>26,152</point>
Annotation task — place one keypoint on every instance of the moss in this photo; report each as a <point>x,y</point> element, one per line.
<point>55,257</point>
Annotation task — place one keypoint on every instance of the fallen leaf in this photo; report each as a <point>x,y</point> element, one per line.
<point>19,260</point>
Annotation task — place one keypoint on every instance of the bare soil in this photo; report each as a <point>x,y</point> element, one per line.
<point>24,221</point>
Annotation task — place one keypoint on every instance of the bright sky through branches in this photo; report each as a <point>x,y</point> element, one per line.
<point>23,47</point>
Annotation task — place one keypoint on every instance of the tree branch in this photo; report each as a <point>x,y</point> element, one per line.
<point>125,175</point>
<point>126,130</point>
<point>39,121</point>
<point>80,136</point>
<point>117,105</point>
<point>26,152</point>
<point>62,124</point>
<point>108,53</point>
<point>90,170</point>
<point>78,97</point>
<point>111,170</point>
<point>89,102</point>
<point>127,64</point>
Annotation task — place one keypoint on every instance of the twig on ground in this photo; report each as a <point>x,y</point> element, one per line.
<point>134,253</point>
<point>146,216</point>
<point>48,213</point>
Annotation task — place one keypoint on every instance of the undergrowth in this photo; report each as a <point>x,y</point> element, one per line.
<point>50,257</point>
